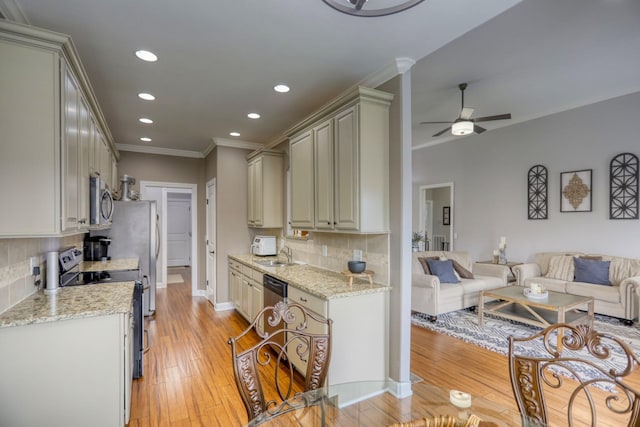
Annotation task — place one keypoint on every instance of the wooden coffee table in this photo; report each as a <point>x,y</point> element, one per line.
<point>557,307</point>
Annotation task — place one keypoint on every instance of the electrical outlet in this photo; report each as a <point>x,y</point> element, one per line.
<point>357,255</point>
<point>33,263</point>
<point>324,250</point>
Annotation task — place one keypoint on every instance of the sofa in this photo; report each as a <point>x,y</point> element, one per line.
<point>432,297</point>
<point>556,271</point>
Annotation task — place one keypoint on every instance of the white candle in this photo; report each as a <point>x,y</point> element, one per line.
<point>460,398</point>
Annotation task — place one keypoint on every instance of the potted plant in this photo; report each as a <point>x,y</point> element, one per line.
<point>416,238</point>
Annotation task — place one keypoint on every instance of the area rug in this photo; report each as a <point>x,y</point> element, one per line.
<point>494,335</point>
<point>174,278</point>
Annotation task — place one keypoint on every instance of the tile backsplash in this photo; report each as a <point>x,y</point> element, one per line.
<point>16,281</point>
<point>340,247</point>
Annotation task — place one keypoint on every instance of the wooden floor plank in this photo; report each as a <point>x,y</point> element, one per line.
<point>188,377</point>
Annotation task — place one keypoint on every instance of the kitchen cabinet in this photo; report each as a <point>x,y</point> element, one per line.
<point>265,195</point>
<point>348,150</point>
<point>301,181</point>
<point>359,335</point>
<point>46,113</point>
<point>246,289</point>
<point>74,372</point>
<point>235,283</point>
<point>70,152</point>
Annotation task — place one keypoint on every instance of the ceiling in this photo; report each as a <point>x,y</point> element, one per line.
<point>219,60</point>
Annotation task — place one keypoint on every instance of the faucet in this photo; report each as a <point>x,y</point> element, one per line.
<point>288,253</point>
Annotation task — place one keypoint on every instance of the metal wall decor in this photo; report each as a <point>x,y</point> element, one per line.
<point>538,182</point>
<point>623,187</point>
<point>575,191</point>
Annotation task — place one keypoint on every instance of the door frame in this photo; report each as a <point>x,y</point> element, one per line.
<point>211,233</point>
<point>177,187</point>
<point>423,193</point>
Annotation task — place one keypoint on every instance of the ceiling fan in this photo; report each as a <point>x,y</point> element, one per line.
<point>464,124</point>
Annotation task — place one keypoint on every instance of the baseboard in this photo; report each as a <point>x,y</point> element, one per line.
<point>223,306</point>
<point>200,293</point>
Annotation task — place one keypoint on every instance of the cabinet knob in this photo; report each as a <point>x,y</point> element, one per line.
<point>303,299</point>
<point>335,223</point>
<point>328,222</point>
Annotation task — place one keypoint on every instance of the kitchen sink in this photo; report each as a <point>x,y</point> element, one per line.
<point>274,263</point>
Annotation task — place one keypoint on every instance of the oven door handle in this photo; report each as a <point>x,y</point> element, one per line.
<point>148,341</point>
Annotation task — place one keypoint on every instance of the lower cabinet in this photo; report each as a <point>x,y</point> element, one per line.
<point>73,372</point>
<point>359,338</point>
<point>246,290</point>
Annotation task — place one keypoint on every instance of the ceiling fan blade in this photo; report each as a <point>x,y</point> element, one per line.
<point>442,131</point>
<point>466,113</point>
<point>433,123</point>
<point>496,117</point>
<point>478,129</point>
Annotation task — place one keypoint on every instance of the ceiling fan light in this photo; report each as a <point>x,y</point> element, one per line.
<point>462,128</point>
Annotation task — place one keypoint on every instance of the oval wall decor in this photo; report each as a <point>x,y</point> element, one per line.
<point>537,192</point>
<point>623,187</point>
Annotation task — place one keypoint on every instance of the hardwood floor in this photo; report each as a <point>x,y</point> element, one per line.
<point>188,378</point>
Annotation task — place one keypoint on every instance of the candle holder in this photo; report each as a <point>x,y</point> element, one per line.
<point>502,254</point>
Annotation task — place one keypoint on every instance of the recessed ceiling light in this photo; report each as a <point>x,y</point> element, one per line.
<point>145,55</point>
<point>145,139</point>
<point>146,96</point>
<point>145,120</point>
<point>253,115</point>
<point>282,88</point>
<point>234,133</point>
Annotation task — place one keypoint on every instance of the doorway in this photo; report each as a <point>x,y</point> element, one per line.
<point>186,194</point>
<point>436,215</point>
<point>211,241</point>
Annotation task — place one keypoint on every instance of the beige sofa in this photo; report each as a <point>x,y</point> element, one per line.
<point>554,271</point>
<point>430,296</point>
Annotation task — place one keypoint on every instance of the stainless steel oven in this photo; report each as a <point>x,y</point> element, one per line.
<point>69,260</point>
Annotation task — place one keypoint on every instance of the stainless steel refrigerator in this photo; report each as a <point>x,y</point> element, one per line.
<point>135,232</point>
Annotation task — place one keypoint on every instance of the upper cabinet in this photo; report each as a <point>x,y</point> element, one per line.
<point>340,166</point>
<point>49,120</point>
<point>265,200</point>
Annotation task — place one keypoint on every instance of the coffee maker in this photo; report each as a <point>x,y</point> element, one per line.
<point>96,248</point>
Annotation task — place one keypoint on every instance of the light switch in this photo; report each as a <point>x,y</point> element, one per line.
<point>324,250</point>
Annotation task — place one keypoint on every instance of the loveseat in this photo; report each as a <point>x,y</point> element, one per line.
<point>431,296</point>
<point>556,271</point>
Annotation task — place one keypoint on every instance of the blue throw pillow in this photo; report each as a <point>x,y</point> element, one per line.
<point>591,271</point>
<point>443,269</point>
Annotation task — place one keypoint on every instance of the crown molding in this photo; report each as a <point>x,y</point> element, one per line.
<point>234,143</point>
<point>160,151</point>
<point>396,67</point>
<point>11,10</point>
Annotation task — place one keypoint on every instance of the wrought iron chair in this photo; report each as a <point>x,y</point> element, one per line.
<point>270,360</point>
<point>592,368</point>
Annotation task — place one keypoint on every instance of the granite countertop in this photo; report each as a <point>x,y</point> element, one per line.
<point>118,264</point>
<point>317,281</point>
<point>71,302</point>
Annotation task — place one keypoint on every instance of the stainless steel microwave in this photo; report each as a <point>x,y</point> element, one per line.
<point>101,202</point>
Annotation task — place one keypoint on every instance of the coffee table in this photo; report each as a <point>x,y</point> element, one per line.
<point>557,307</point>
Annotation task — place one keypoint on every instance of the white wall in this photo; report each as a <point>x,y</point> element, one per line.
<point>489,172</point>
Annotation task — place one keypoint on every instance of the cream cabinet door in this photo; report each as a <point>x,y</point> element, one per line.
<point>347,170</point>
<point>245,295</point>
<point>256,300</point>
<point>324,191</point>
<point>255,202</point>
<point>302,185</point>
<point>70,153</point>
<point>84,142</point>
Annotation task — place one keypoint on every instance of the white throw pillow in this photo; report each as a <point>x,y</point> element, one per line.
<point>561,268</point>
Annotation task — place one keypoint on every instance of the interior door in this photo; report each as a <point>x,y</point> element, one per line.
<point>179,232</point>
<point>211,241</point>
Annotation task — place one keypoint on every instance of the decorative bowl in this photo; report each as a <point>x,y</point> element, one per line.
<point>357,266</point>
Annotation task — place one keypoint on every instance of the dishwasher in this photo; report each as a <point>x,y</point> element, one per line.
<point>275,290</point>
